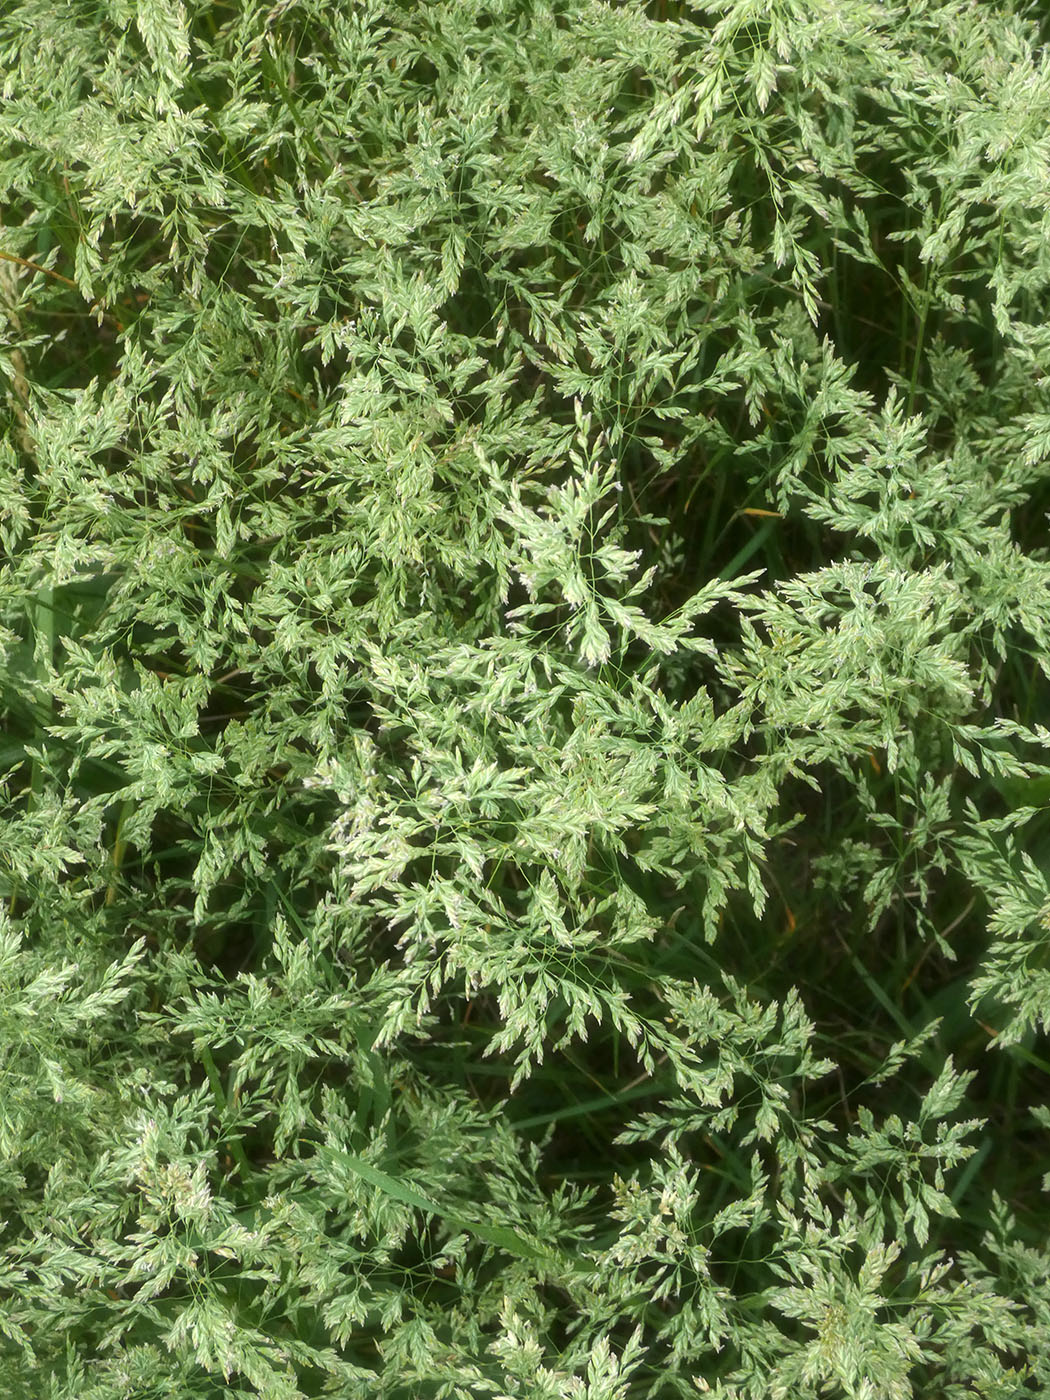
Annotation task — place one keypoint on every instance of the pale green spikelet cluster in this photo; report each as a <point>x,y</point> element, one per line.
<point>524,700</point>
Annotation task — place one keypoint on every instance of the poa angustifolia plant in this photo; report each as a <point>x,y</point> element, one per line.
<point>523,618</point>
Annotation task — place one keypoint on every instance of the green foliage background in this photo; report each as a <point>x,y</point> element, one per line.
<point>524,606</point>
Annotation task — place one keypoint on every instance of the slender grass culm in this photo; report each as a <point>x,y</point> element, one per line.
<point>524,700</point>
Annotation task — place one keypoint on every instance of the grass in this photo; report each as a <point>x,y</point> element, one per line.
<point>523,607</point>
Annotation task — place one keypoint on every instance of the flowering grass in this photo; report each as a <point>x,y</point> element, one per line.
<point>524,635</point>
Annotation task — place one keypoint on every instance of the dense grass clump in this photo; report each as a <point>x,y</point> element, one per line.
<point>524,700</point>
